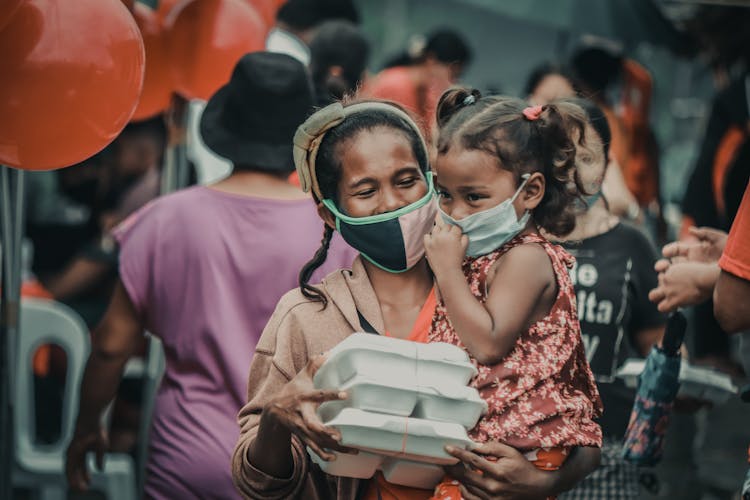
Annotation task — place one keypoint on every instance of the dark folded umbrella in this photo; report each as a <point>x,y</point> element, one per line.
<point>657,389</point>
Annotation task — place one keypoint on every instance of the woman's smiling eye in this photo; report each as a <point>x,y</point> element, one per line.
<point>408,182</point>
<point>365,193</point>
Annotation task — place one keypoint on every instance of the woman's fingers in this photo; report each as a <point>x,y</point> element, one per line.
<point>315,363</point>
<point>314,424</point>
<point>319,450</point>
<point>327,437</point>
<point>321,396</point>
<point>470,458</point>
<point>471,493</point>
<point>466,476</point>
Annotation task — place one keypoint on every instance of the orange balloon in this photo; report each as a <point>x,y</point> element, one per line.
<point>7,9</point>
<point>71,75</point>
<point>206,38</point>
<point>157,80</point>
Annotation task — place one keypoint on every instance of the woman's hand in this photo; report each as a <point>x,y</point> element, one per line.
<point>82,443</point>
<point>295,409</point>
<point>445,247</point>
<point>510,476</point>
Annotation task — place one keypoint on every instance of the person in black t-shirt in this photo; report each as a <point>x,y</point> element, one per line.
<point>613,274</point>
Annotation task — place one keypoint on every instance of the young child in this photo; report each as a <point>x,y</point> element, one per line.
<point>504,170</point>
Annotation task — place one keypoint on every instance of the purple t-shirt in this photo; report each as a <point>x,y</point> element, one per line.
<point>205,270</point>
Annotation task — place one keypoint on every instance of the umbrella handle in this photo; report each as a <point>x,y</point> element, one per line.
<point>674,334</point>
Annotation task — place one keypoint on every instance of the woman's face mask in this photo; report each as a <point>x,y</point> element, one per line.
<point>393,241</point>
<point>490,229</point>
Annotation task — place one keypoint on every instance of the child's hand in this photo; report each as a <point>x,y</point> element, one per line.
<point>445,246</point>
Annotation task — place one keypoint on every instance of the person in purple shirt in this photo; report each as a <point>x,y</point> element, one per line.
<point>203,270</point>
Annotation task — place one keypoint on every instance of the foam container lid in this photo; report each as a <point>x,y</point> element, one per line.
<point>377,356</point>
<point>450,403</point>
<point>697,382</point>
<point>409,438</point>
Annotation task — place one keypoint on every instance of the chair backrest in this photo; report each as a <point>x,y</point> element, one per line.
<point>47,322</point>
<point>154,366</point>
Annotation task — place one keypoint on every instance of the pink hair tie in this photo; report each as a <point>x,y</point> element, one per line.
<point>532,113</point>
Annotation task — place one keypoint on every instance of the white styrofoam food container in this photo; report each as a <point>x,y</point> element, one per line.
<point>389,396</point>
<point>409,438</point>
<point>409,451</point>
<point>377,356</point>
<point>696,382</point>
<point>452,403</point>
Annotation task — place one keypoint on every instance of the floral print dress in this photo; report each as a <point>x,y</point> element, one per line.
<point>542,394</point>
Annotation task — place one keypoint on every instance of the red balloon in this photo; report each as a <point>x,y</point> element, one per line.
<point>157,80</point>
<point>7,9</point>
<point>206,38</point>
<point>71,75</point>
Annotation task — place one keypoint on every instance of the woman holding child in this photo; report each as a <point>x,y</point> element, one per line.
<point>367,167</point>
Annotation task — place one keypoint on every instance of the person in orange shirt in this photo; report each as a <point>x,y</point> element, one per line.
<point>417,79</point>
<point>697,276</point>
<point>732,291</point>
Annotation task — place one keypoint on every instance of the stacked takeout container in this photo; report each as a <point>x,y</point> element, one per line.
<point>406,402</point>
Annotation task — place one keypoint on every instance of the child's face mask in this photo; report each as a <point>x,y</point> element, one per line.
<point>393,241</point>
<point>490,229</point>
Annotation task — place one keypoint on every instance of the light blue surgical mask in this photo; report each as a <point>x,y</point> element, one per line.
<point>490,229</point>
<point>588,201</point>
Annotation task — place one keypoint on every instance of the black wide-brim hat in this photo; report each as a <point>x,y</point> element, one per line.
<point>252,119</point>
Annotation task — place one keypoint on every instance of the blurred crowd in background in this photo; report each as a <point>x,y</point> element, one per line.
<point>672,78</point>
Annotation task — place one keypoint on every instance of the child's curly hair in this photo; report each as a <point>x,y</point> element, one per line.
<point>521,144</point>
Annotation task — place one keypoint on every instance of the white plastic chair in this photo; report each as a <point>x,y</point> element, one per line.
<point>153,370</point>
<point>41,468</point>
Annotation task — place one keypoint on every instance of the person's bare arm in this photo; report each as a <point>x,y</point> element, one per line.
<point>489,331</point>
<point>114,341</point>
<point>79,276</point>
<point>732,302</point>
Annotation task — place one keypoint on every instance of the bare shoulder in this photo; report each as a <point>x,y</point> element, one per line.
<point>529,262</point>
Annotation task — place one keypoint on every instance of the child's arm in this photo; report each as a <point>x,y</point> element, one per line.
<point>520,279</point>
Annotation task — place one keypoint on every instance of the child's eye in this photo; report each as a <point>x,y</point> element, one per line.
<point>586,159</point>
<point>474,197</point>
<point>443,194</point>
